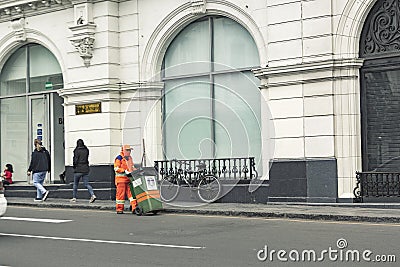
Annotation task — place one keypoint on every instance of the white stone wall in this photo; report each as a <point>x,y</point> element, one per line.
<point>96,83</point>
<point>312,81</point>
<point>348,23</point>
<point>129,42</point>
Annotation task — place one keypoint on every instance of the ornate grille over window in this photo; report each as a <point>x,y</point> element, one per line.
<point>380,87</point>
<point>381,33</point>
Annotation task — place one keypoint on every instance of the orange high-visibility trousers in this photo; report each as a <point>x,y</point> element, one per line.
<point>123,190</point>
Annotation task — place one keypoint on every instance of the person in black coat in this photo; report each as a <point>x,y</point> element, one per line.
<point>40,164</point>
<point>81,170</point>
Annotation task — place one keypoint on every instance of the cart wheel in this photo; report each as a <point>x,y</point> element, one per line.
<point>138,211</point>
<point>155,212</point>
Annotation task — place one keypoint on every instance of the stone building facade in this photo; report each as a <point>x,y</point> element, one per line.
<point>114,72</point>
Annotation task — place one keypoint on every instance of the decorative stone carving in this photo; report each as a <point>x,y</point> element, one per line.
<point>198,6</point>
<point>46,2</point>
<point>18,9</point>
<point>32,5</point>
<point>382,32</point>
<point>83,40</point>
<point>85,48</point>
<point>83,14</point>
<point>18,26</point>
<point>83,31</point>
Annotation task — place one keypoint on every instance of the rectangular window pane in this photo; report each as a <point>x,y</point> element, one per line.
<point>187,119</point>
<point>190,51</point>
<point>382,96</point>
<point>47,82</point>
<point>14,135</point>
<point>13,74</point>
<point>237,115</point>
<point>39,120</point>
<point>233,46</point>
<point>44,70</point>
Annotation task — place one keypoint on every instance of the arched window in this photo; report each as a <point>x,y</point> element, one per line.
<point>27,78</point>
<point>211,105</point>
<point>31,68</point>
<point>380,87</point>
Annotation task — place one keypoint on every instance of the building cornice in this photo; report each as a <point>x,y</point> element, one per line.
<point>142,86</point>
<point>15,9</point>
<point>310,67</point>
<point>312,72</point>
<point>11,9</point>
<point>110,88</point>
<point>105,88</point>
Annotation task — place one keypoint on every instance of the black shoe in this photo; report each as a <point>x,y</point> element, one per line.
<point>120,212</point>
<point>45,195</point>
<point>38,199</point>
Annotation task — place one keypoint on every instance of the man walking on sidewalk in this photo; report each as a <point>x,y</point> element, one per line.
<point>40,164</point>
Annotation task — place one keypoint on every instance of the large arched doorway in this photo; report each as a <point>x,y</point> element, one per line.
<point>31,108</point>
<point>211,105</point>
<point>380,87</point>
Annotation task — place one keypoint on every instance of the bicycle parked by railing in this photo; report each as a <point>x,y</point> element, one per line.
<point>207,186</point>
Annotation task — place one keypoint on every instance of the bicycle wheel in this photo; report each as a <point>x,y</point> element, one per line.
<point>169,188</point>
<point>209,188</point>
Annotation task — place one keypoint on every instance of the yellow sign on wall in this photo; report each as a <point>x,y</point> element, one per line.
<point>88,108</point>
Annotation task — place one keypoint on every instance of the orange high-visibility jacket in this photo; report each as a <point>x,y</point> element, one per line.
<point>120,166</point>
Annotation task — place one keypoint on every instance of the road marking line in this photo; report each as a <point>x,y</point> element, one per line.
<point>35,220</point>
<point>102,241</point>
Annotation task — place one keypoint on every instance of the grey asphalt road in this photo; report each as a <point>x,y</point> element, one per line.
<point>103,238</point>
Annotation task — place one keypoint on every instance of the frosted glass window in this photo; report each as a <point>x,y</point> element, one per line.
<point>237,115</point>
<point>189,52</point>
<point>13,74</point>
<point>43,68</point>
<point>42,62</point>
<point>233,46</point>
<point>216,112</point>
<point>187,124</point>
<point>14,135</point>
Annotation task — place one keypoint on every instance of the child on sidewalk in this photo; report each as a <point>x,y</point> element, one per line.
<point>7,174</point>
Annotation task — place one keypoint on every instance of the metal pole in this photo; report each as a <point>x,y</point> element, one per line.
<point>144,155</point>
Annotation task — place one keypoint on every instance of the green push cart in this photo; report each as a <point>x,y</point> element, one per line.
<point>144,186</point>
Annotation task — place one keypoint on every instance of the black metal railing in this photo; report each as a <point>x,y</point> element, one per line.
<point>224,168</point>
<point>377,184</point>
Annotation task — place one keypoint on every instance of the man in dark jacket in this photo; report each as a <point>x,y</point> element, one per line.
<point>40,164</point>
<point>81,170</point>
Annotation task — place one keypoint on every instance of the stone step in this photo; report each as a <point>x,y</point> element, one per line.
<point>232,192</point>
<point>101,193</point>
<point>103,190</point>
<point>25,186</point>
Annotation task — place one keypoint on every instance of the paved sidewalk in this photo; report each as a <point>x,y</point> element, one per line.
<point>382,213</point>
